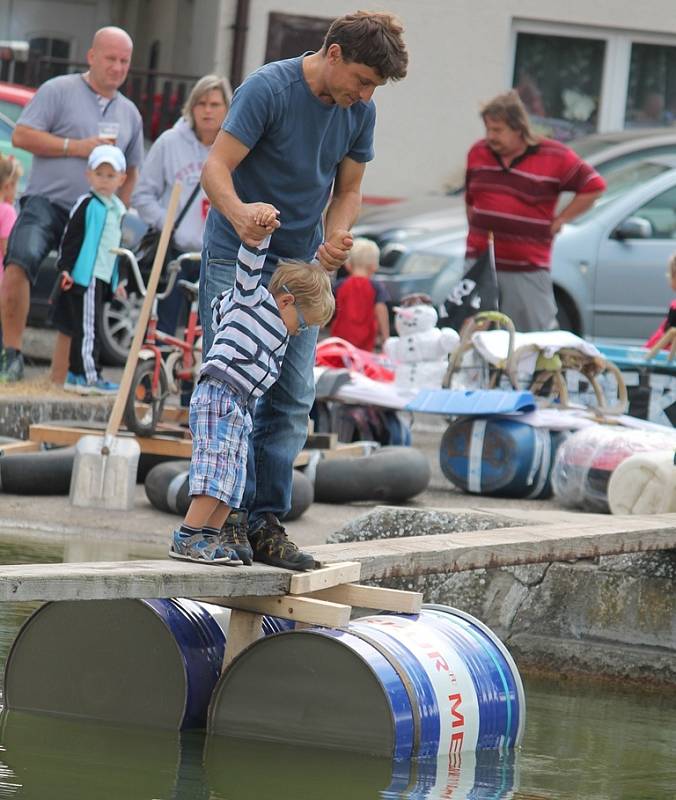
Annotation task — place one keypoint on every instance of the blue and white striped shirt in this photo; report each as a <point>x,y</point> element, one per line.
<point>250,337</point>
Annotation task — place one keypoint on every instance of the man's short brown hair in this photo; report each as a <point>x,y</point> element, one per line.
<point>373,39</point>
<point>509,109</point>
<point>311,287</point>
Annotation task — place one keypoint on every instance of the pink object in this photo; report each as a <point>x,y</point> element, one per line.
<point>7,219</point>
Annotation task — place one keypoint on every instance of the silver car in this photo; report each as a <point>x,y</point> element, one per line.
<point>609,266</point>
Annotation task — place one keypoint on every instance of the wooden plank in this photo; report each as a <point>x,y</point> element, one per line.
<point>244,629</point>
<point>354,594</point>
<point>304,582</point>
<point>455,552</point>
<point>175,414</point>
<point>302,609</point>
<point>320,441</point>
<point>66,435</point>
<point>111,580</point>
<point>13,448</point>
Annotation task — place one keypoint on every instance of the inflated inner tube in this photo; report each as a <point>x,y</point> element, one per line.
<point>48,472</point>
<point>167,489</point>
<point>392,474</point>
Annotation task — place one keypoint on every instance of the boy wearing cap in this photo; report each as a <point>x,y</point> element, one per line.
<point>88,271</point>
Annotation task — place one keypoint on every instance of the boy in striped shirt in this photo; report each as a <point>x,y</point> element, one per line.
<point>252,326</point>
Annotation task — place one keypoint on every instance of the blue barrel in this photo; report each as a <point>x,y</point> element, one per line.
<point>148,662</point>
<point>499,457</point>
<point>403,686</point>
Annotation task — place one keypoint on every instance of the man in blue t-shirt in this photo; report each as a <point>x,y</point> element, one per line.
<point>298,135</point>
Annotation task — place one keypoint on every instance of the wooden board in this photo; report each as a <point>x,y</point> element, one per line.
<point>67,435</point>
<point>244,629</point>
<point>12,448</point>
<point>354,594</point>
<point>110,580</point>
<point>302,609</point>
<point>304,582</point>
<point>418,555</point>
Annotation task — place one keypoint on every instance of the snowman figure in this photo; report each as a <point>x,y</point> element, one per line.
<point>420,352</point>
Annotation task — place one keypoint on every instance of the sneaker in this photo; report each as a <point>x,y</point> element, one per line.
<point>78,384</point>
<point>234,535</point>
<point>11,366</point>
<point>272,546</point>
<point>201,548</point>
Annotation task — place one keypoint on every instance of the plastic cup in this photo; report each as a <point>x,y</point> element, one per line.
<point>109,131</point>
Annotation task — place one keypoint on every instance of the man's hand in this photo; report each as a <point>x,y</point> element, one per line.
<point>81,148</point>
<point>255,221</point>
<point>556,225</point>
<point>333,253</point>
<point>121,291</point>
<point>66,281</point>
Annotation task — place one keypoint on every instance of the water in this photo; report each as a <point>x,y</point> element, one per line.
<point>582,742</point>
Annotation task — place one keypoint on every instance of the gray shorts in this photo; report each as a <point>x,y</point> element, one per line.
<point>528,299</point>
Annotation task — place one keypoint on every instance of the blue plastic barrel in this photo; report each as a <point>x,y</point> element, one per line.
<point>499,456</point>
<point>419,686</point>
<point>148,662</point>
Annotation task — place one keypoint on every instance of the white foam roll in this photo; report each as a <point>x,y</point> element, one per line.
<point>644,483</point>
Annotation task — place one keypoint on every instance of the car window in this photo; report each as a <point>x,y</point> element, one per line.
<point>660,212</point>
<point>606,167</point>
<point>622,180</point>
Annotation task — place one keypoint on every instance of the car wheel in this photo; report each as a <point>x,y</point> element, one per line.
<point>117,331</point>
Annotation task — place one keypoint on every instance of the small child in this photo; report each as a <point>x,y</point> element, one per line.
<point>669,321</point>
<point>252,326</point>
<point>10,172</point>
<point>361,310</point>
<point>89,271</point>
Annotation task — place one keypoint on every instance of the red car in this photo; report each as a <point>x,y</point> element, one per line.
<point>13,98</point>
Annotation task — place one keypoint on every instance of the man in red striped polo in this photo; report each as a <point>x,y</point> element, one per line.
<point>513,183</point>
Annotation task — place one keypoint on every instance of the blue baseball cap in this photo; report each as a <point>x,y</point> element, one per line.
<point>107,154</point>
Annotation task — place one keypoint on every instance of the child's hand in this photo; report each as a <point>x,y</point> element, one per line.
<point>66,281</point>
<point>265,216</point>
<point>334,251</point>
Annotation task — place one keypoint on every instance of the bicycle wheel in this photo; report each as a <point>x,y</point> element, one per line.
<point>144,406</point>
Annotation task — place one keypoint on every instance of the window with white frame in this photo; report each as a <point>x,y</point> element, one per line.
<point>559,81</point>
<point>651,93</point>
<point>576,80</point>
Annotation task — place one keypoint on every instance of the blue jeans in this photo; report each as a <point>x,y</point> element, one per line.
<point>281,414</point>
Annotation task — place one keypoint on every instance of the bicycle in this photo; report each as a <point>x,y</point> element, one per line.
<point>165,361</point>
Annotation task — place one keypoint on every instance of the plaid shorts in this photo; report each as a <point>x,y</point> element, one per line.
<point>220,424</point>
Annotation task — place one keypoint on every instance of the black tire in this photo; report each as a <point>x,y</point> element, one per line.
<point>566,316</point>
<point>167,486</point>
<point>117,329</point>
<point>43,473</point>
<point>391,474</point>
<point>144,423</point>
<point>302,495</point>
<point>167,489</point>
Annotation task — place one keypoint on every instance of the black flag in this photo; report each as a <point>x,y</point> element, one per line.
<point>477,291</point>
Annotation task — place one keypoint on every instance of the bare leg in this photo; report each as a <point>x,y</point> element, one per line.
<point>15,295</point>
<point>203,509</point>
<point>60,359</point>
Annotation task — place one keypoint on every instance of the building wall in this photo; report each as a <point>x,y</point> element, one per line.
<point>461,55</point>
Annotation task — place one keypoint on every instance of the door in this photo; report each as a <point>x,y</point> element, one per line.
<point>632,288</point>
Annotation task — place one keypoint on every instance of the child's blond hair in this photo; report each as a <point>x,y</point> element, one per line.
<point>672,265</point>
<point>365,253</point>
<point>10,170</point>
<point>311,287</point>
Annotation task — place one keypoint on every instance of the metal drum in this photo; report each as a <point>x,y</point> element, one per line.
<point>147,662</point>
<point>419,686</point>
<point>498,456</point>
